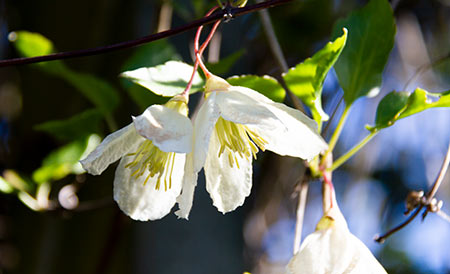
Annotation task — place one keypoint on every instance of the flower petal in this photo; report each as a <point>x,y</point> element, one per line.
<point>333,249</point>
<point>169,130</point>
<point>236,106</point>
<point>143,202</point>
<point>111,149</point>
<point>204,123</point>
<point>286,130</point>
<point>189,183</point>
<point>228,186</point>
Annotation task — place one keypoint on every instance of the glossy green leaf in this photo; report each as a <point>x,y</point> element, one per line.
<point>148,55</point>
<point>225,64</point>
<point>166,80</point>
<point>80,125</point>
<point>98,91</point>
<point>371,32</point>
<point>398,105</point>
<point>65,160</point>
<point>266,85</point>
<point>306,79</point>
<point>31,44</point>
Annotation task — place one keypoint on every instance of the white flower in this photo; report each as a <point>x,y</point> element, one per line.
<point>332,249</point>
<point>229,127</point>
<point>153,150</point>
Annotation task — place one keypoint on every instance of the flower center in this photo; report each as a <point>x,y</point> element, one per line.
<point>237,139</point>
<point>150,158</point>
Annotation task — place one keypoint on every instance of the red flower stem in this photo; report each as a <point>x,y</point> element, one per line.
<point>199,51</point>
<point>327,180</point>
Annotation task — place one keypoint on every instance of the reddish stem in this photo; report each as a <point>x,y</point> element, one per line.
<point>327,180</point>
<point>199,51</point>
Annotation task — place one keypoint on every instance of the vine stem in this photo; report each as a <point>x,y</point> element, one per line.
<point>199,51</point>
<point>336,133</point>
<point>352,151</point>
<point>233,12</point>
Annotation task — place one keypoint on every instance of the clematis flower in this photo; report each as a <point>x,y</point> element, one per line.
<point>332,249</point>
<point>153,151</point>
<point>229,129</point>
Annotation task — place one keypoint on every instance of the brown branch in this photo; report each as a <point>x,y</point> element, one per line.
<point>423,202</point>
<point>228,12</point>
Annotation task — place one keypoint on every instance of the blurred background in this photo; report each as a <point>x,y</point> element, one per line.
<point>55,219</point>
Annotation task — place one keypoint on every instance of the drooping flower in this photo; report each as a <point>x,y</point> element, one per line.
<point>230,127</point>
<point>333,249</point>
<point>153,153</point>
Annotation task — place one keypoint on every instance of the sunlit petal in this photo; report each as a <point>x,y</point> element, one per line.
<point>204,123</point>
<point>333,249</point>
<point>227,183</point>
<point>169,130</point>
<point>142,201</point>
<point>286,130</point>
<point>186,197</point>
<point>111,149</point>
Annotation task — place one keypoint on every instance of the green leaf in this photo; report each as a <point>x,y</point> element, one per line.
<point>166,80</point>
<point>143,98</point>
<point>225,64</point>
<point>80,125</point>
<point>5,187</point>
<point>65,160</point>
<point>306,79</point>
<point>101,93</point>
<point>398,105</point>
<point>31,44</point>
<point>265,85</point>
<point>150,55</point>
<point>389,109</point>
<point>371,32</point>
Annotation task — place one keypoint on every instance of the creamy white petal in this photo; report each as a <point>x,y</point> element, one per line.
<point>143,202</point>
<point>228,186</point>
<point>111,149</point>
<point>242,109</point>
<point>204,123</point>
<point>169,130</point>
<point>334,250</point>
<point>186,197</point>
<point>291,133</point>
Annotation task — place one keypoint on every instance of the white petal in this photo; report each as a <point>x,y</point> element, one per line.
<point>169,130</point>
<point>189,183</point>
<point>204,123</point>
<point>143,202</point>
<point>242,109</point>
<point>111,149</point>
<point>290,133</point>
<point>228,186</point>
<point>333,250</point>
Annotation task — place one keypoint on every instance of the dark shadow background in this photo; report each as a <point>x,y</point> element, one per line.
<point>258,236</point>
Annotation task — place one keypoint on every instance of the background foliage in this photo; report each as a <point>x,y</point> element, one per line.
<point>52,112</point>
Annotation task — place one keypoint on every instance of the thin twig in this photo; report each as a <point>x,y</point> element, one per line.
<point>233,12</point>
<point>382,238</point>
<point>278,53</point>
<point>424,202</point>
<point>424,68</point>
<point>302,196</point>
<point>440,176</point>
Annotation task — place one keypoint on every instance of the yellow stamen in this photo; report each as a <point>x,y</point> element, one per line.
<point>149,158</point>
<point>237,140</point>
